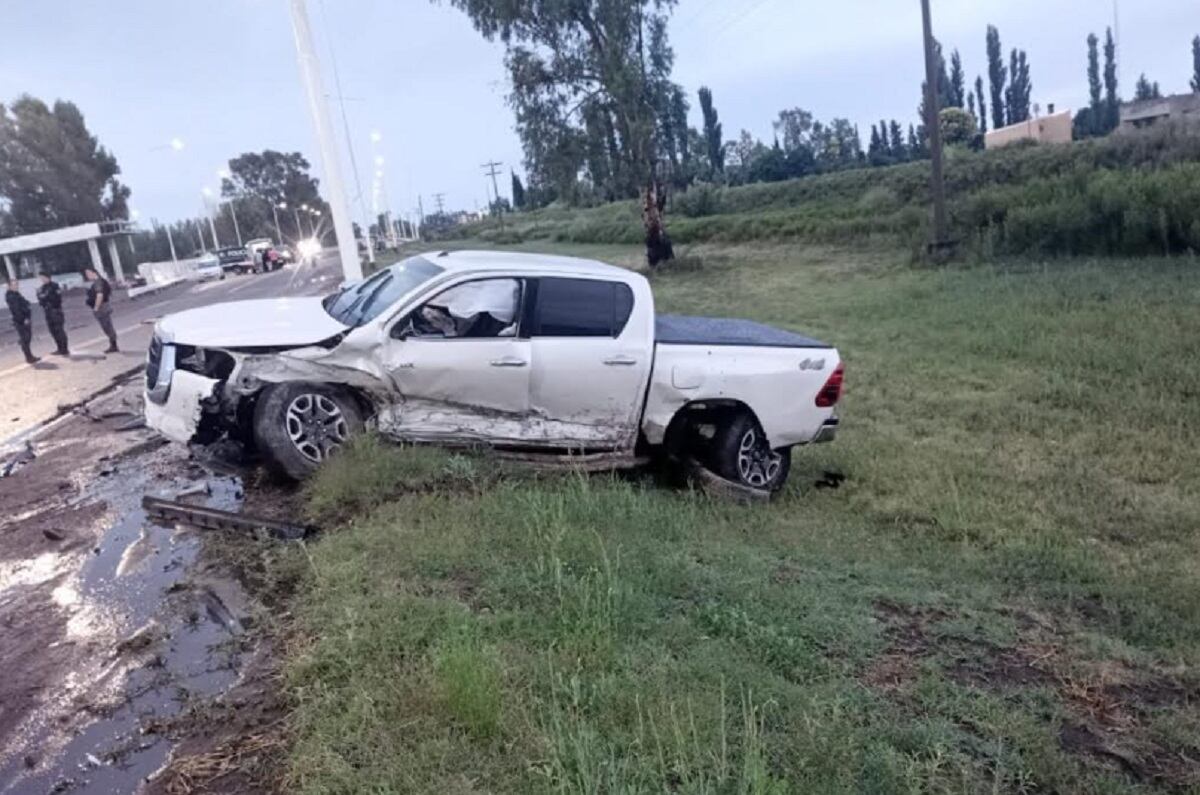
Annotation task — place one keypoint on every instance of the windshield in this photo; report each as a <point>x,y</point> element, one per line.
<point>362,302</point>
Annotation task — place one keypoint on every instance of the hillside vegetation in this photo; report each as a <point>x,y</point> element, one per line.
<point>1116,196</point>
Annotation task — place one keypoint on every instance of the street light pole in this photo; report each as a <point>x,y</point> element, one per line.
<point>275,212</point>
<point>311,73</point>
<point>171,243</point>
<point>233,215</point>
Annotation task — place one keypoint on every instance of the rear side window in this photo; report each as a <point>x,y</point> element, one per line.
<point>580,308</point>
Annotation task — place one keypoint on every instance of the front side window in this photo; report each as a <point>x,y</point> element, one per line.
<point>484,309</point>
<point>581,308</point>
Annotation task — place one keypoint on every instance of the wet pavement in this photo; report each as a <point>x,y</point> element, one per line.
<point>110,627</point>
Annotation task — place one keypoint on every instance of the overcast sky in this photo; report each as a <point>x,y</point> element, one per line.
<point>222,75</point>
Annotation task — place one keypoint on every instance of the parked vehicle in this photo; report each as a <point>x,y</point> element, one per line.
<point>511,350</point>
<point>209,267</point>
<point>235,259</point>
<point>261,252</point>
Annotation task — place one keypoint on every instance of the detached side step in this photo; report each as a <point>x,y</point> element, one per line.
<point>589,462</point>
<point>214,519</point>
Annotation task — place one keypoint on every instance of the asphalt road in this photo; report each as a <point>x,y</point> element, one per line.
<point>32,394</point>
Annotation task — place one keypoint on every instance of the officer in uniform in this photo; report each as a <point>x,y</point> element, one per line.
<point>22,318</point>
<point>50,297</point>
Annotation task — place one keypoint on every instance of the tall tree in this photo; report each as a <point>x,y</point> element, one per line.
<point>1146,90</point>
<point>945,89</point>
<point>982,117</point>
<point>1093,72</point>
<point>564,58</point>
<point>875,149</point>
<point>971,106</point>
<point>794,127</point>
<point>998,76</point>
<point>53,171</point>
<point>1020,88</point>
<point>1112,97</point>
<point>1196,64</point>
<point>712,131</point>
<point>259,181</point>
<point>518,192</point>
<point>1090,120</point>
<point>914,143</point>
<point>958,82</point>
<point>897,148</point>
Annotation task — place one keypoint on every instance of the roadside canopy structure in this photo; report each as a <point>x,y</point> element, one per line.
<point>92,234</point>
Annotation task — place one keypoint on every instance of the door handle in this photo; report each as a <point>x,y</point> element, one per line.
<point>509,361</point>
<point>621,361</point>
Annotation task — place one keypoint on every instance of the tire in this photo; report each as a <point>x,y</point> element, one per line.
<point>297,426</point>
<point>740,454</point>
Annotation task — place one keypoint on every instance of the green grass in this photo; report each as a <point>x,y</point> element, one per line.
<point>1001,597</point>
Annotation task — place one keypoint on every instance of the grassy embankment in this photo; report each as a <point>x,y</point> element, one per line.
<point>1002,596</point>
<point>1134,195</point>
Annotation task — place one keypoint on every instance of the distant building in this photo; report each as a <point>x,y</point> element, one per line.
<point>1053,128</point>
<point>1147,112</point>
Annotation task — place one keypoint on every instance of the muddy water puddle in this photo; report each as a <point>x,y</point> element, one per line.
<point>153,640</point>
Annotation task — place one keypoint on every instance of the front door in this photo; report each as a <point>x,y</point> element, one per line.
<point>462,371</point>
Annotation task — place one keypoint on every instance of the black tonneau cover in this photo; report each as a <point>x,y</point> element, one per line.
<point>682,330</point>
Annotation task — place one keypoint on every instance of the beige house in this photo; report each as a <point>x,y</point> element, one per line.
<point>1180,107</point>
<point>1054,128</point>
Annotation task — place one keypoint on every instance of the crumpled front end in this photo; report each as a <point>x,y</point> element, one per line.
<point>178,417</point>
<point>201,395</point>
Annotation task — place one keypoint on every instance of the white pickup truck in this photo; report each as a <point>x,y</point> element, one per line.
<point>518,351</point>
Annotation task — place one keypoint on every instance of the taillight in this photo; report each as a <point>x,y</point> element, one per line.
<point>832,391</point>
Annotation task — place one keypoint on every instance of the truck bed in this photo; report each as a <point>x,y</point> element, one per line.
<point>684,330</point>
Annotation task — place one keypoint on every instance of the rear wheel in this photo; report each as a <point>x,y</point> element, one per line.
<point>741,454</point>
<point>298,426</point>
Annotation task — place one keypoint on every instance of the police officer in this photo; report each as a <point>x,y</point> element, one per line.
<point>50,297</point>
<point>99,300</point>
<point>22,317</point>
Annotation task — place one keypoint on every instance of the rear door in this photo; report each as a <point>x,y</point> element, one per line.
<point>589,366</point>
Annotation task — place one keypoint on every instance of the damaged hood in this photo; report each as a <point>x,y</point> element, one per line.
<point>269,322</point>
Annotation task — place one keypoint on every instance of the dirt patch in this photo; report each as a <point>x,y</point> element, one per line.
<point>60,529</point>
<point>236,744</point>
<point>1113,705</point>
<point>1110,705</point>
<point>908,635</point>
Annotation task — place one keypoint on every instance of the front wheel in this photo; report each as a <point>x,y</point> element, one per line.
<point>741,454</point>
<point>298,426</point>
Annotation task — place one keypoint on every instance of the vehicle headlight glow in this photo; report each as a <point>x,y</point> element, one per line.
<point>309,247</point>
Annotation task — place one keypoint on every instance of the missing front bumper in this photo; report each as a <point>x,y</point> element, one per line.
<point>179,417</point>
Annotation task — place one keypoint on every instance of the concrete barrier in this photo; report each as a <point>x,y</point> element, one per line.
<point>160,275</point>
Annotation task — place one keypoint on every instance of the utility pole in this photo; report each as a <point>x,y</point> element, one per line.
<point>492,168</point>
<point>933,127</point>
<point>275,212</point>
<point>171,243</point>
<point>311,73</point>
<point>439,200</point>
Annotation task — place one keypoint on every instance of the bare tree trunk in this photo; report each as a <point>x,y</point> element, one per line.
<point>658,245</point>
